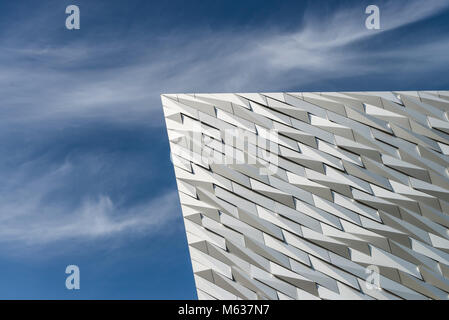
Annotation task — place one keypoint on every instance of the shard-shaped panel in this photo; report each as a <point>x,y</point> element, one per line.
<point>335,195</point>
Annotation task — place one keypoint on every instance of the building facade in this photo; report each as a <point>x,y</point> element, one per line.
<point>314,195</point>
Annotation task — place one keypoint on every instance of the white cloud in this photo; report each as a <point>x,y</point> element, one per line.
<point>200,62</point>
<point>228,61</point>
<point>32,223</point>
<point>31,216</point>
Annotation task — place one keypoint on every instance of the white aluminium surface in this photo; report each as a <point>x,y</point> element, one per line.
<point>331,195</point>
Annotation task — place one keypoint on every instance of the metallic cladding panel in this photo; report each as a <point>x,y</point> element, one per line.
<point>314,195</point>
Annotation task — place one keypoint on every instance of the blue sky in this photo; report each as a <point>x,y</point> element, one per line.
<point>85,172</point>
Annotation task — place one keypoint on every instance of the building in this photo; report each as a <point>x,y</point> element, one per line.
<point>314,195</point>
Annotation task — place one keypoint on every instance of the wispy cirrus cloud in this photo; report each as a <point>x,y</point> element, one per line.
<point>29,217</point>
<point>34,224</point>
<point>325,44</point>
<point>72,80</point>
